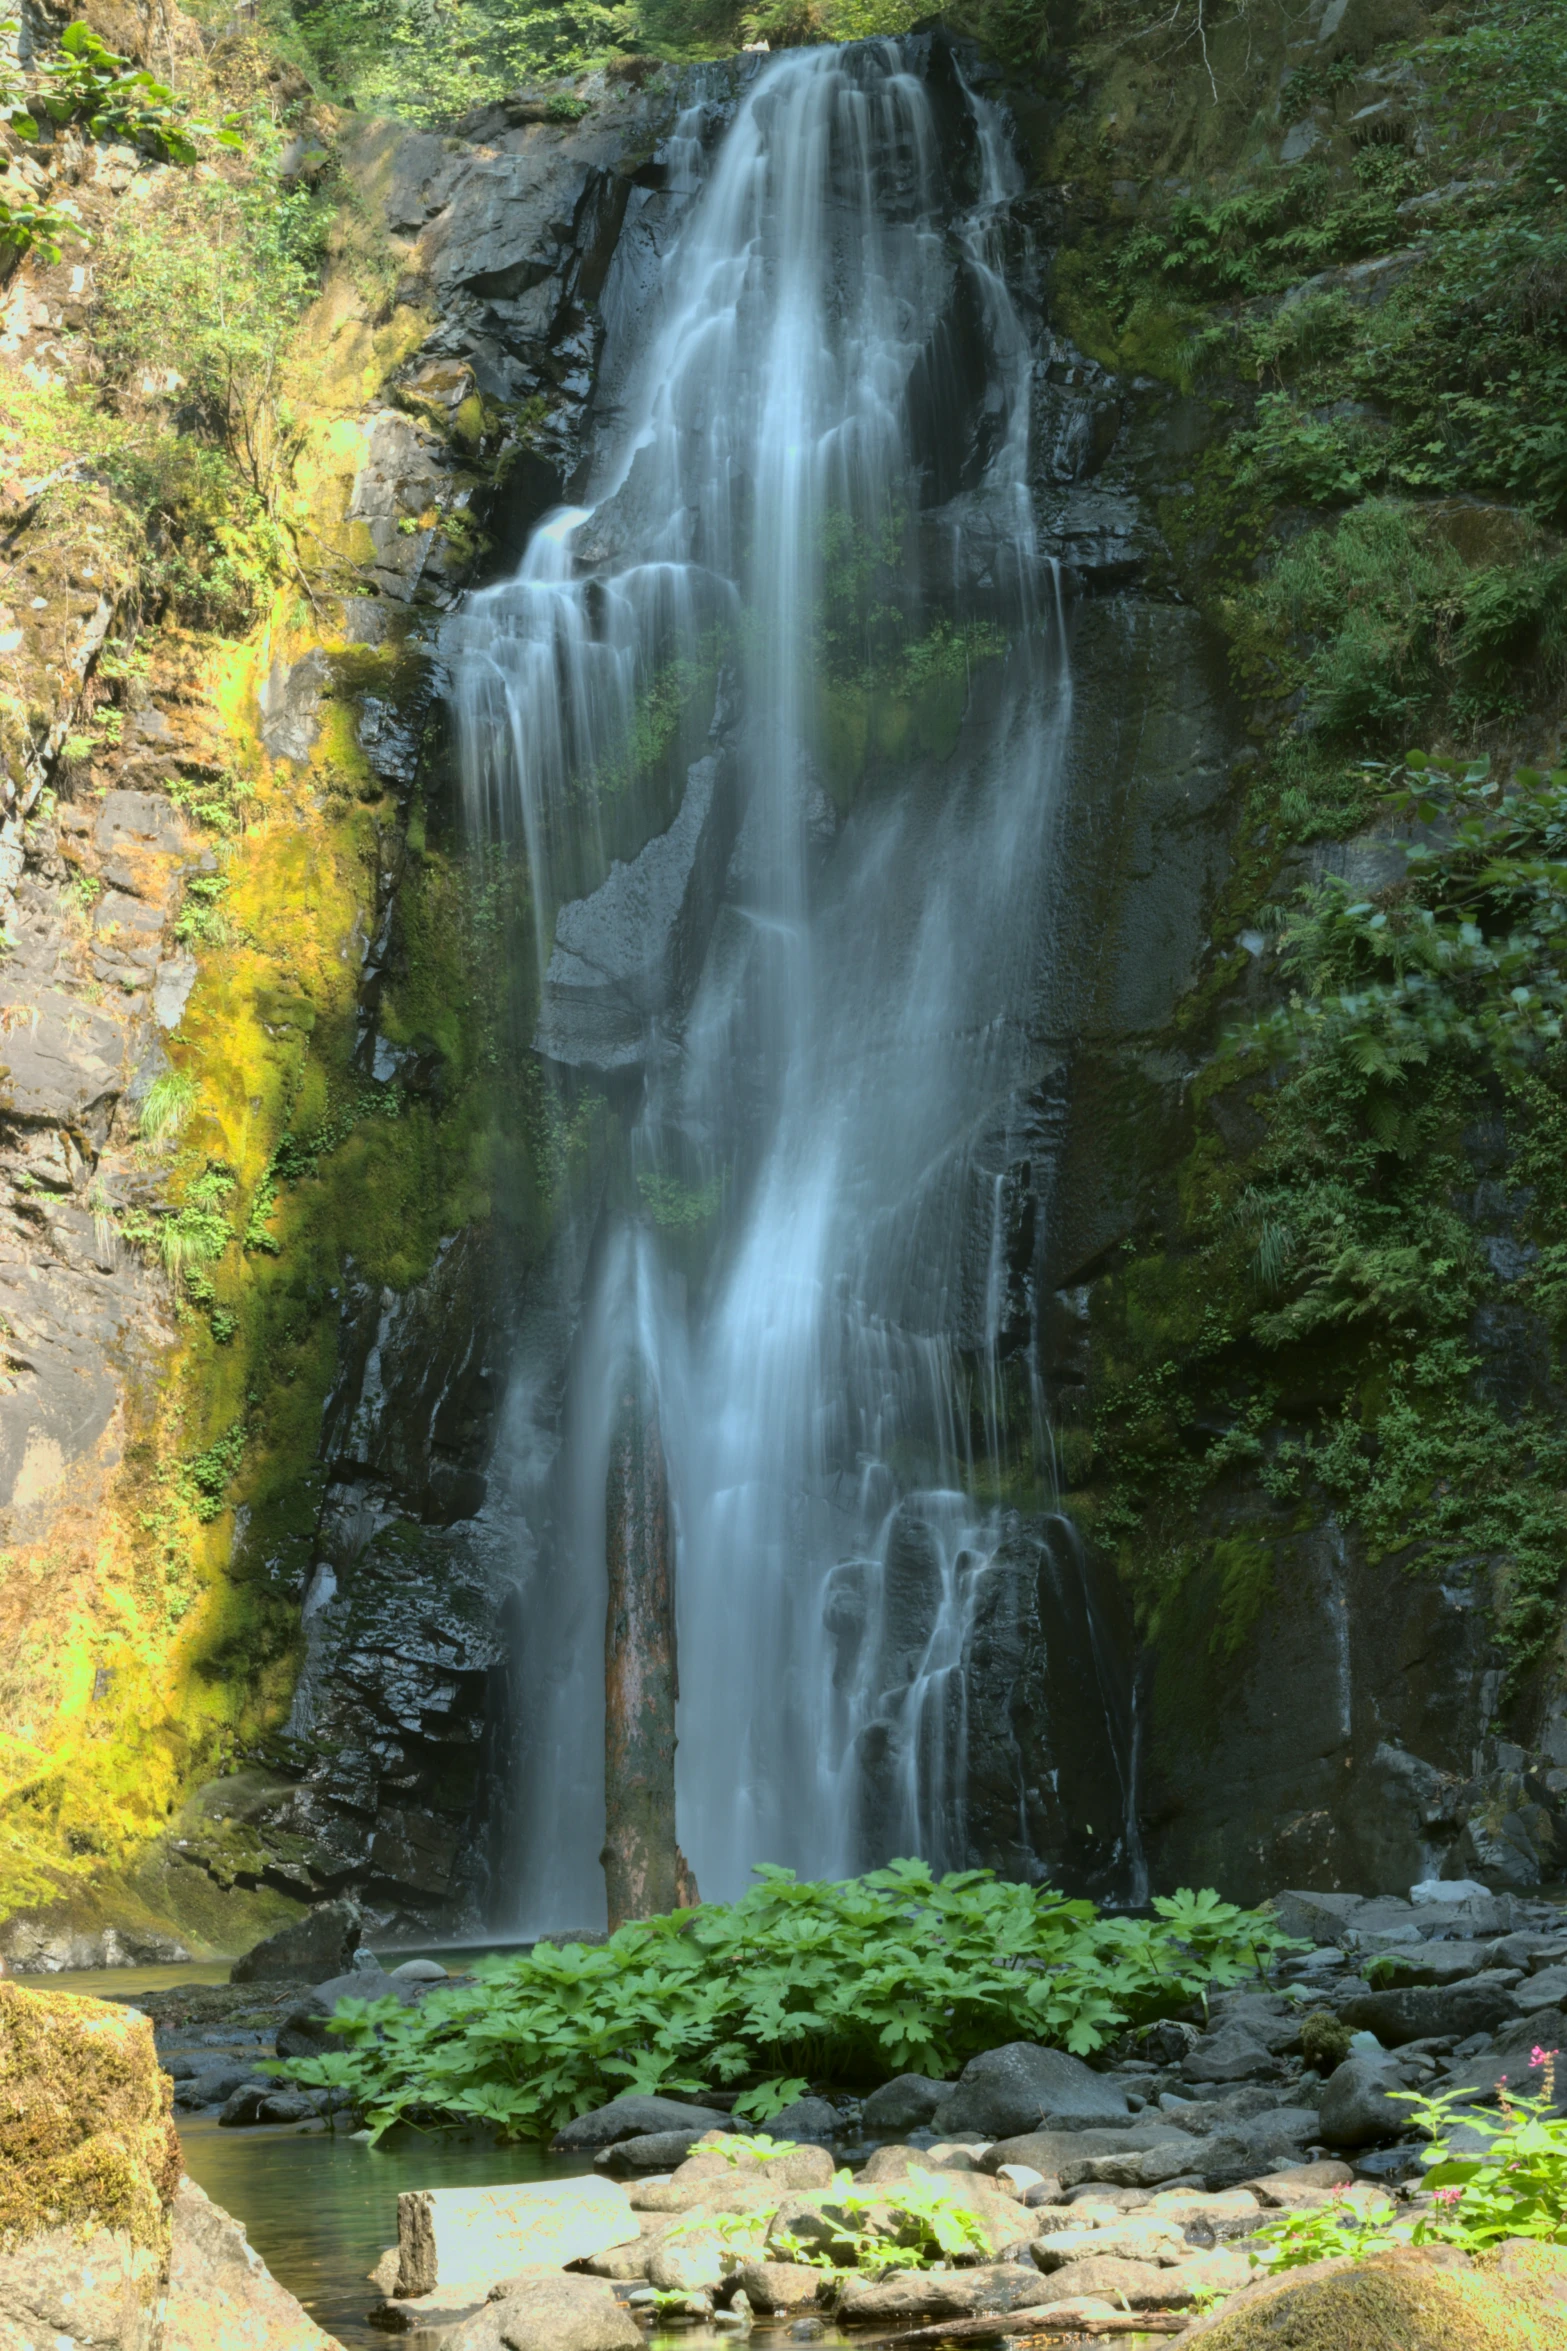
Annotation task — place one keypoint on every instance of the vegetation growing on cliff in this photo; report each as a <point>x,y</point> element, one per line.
<point>895,1972</point>
<point>1349,1308</point>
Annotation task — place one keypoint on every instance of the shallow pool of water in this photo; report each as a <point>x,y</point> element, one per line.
<point>321,2211</point>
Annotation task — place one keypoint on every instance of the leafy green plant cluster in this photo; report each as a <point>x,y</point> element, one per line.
<point>1344,1259</point>
<point>1380,624</point>
<point>1516,2187</point>
<point>89,83</point>
<point>1467,959</point>
<point>854,1981</point>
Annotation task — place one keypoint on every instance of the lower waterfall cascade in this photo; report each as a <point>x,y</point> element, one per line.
<point>812,1002</point>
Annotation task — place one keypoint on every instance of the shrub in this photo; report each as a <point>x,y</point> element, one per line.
<point>884,1974</point>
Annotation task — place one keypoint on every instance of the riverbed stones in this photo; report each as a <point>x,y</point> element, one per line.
<point>1022,2087</point>
<point>451,2238</point>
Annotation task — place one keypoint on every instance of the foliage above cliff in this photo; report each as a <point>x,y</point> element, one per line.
<point>889,1973</point>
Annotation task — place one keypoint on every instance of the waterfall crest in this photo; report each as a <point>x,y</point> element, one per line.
<point>814,995</point>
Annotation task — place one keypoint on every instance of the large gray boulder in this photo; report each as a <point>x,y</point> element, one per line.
<point>634,2117</point>
<point>315,1947</point>
<point>1023,2087</point>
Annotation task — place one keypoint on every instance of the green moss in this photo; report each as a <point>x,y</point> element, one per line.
<point>86,2140</point>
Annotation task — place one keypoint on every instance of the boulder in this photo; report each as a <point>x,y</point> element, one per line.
<point>1359,2108</point>
<point>1025,2088</point>
<point>258,2102</point>
<point>1140,2236</point>
<point>316,1947</point>
<point>779,2285</point>
<point>806,2118</point>
<point>449,2239</point>
<point>667,2199</point>
<point>89,2163</point>
<point>1417,2298</point>
<point>906,2103</point>
<point>1315,1918</point>
<point>660,2151</point>
<point>106,2247</point>
<point>221,2295</point>
<point>1548,1989</point>
<point>550,2312</point>
<point>690,2261</point>
<point>634,2117</point>
<point>1232,2054</point>
<point>1301,2185</point>
<point>1046,2151</point>
<point>1172,2154</point>
<point>924,2297</point>
<point>1431,1963</point>
<point>1421,2012</point>
<point>1131,2285</point>
<point>304,2033</point>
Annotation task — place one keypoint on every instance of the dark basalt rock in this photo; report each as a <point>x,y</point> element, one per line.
<point>1419,2011</point>
<point>318,1946</point>
<point>906,2103</point>
<point>1024,2088</point>
<point>634,2117</point>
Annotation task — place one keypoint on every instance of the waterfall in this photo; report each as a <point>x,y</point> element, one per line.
<point>810,986</point>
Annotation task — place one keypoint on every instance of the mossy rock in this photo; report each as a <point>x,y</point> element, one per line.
<point>1429,2298</point>
<point>86,2136</point>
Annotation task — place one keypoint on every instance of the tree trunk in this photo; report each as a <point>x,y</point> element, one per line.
<point>645,1873</point>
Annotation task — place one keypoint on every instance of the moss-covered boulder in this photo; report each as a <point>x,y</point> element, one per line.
<point>89,2163</point>
<point>86,2136</point>
<point>1416,2298</point>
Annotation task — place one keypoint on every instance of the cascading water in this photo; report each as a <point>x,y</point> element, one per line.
<point>809,514</point>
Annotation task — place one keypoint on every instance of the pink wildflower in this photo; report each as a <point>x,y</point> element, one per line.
<point>1542,2056</point>
<point>1447,2195</point>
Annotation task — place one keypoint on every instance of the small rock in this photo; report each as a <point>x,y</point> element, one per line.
<point>420,1971</point>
